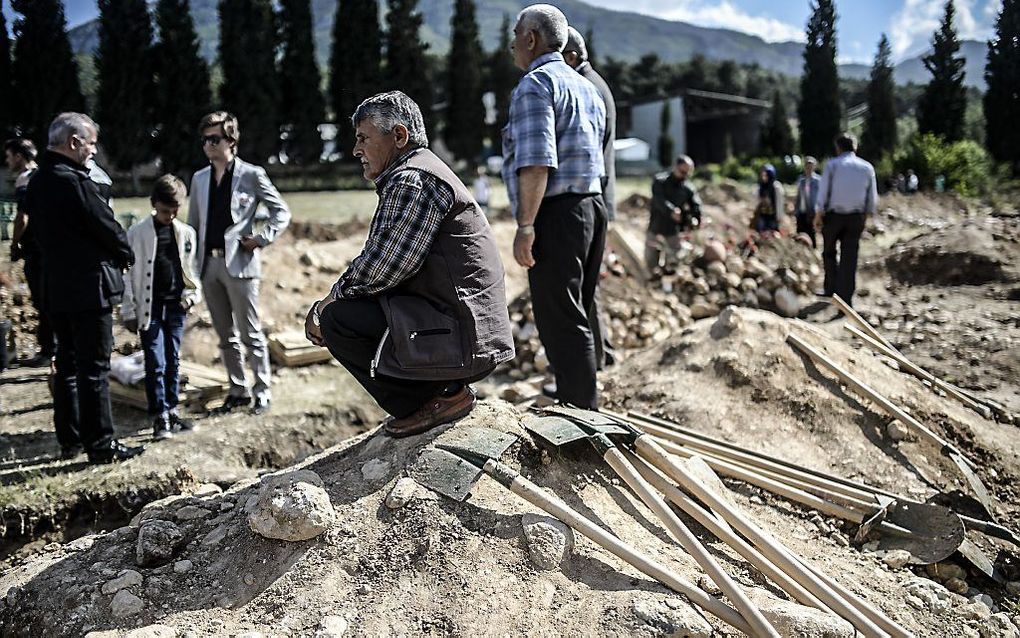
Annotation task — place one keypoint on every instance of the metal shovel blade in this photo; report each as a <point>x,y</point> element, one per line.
<point>937,531</point>
<point>554,430</point>
<point>479,444</point>
<point>445,473</point>
<point>601,423</point>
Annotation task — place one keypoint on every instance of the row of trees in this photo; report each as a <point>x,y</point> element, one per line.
<point>153,85</point>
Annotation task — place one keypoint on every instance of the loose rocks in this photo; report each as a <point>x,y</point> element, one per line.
<point>292,507</point>
<point>798,621</point>
<point>158,541</point>
<point>549,540</point>
<point>127,578</point>
<point>126,604</point>
<point>672,620</point>
<point>331,627</point>
<point>401,494</point>
<point>897,559</point>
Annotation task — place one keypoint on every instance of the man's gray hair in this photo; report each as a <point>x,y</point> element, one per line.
<point>386,110</point>
<point>67,124</point>
<point>575,43</point>
<point>685,159</point>
<point>548,21</point>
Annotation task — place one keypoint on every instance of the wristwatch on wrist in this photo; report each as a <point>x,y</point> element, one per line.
<point>529,229</point>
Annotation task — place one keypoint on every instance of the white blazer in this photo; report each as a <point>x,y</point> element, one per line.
<point>141,236</point>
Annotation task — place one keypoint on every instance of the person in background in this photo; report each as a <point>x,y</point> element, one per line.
<point>848,195</point>
<point>20,155</point>
<point>807,199</point>
<point>160,289</point>
<point>482,189</point>
<point>769,212</point>
<point>675,208</point>
<point>912,182</point>
<point>84,252</point>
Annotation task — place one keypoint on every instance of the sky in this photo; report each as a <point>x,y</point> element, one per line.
<point>908,23</point>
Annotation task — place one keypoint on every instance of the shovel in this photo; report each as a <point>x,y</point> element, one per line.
<point>592,426</point>
<point>461,456</point>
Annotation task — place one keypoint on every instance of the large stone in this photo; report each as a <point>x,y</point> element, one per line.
<point>672,618</point>
<point>127,578</point>
<point>292,507</point>
<point>126,604</point>
<point>153,631</point>
<point>929,595</point>
<point>999,626</point>
<point>375,470</point>
<point>727,322</point>
<point>158,542</point>
<point>787,302</point>
<point>897,559</point>
<point>793,620</point>
<point>974,611</point>
<point>715,251</point>
<point>549,540</point>
<point>331,627</point>
<point>402,493</point>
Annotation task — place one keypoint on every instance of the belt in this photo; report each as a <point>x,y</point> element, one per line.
<point>217,252</point>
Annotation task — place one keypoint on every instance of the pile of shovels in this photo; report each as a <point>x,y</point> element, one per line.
<point>650,467</point>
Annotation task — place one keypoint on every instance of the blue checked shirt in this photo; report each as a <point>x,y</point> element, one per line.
<point>557,119</point>
<point>412,205</point>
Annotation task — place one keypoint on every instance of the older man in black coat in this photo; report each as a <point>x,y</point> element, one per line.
<point>84,252</point>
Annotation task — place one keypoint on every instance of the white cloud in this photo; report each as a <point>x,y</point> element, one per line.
<point>911,28</point>
<point>722,14</point>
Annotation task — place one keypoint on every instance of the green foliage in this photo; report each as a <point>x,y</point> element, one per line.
<point>666,145</point>
<point>251,86</point>
<point>182,89</point>
<point>966,166</point>
<point>880,137</point>
<point>1002,76</point>
<point>465,112</point>
<point>943,104</point>
<point>820,109</point>
<point>355,64</point>
<point>124,98</point>
<point>6,110</point>
<point>41,44</point>
<point>777,135</point>
<point>407,68</point>
<point>501,78</point>
<point>302,107</point>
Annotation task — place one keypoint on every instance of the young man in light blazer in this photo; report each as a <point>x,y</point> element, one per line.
<point>224,198</point>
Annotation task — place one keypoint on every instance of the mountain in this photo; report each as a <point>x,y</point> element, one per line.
<point>623,35</point>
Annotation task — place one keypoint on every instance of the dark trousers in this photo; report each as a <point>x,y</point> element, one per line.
<point>605,353</point>
<point>570,237</point>
<point>81,389</point>
<point>44,331</point>
<point>352,329</point>
<point>844,229</point>
<point>161,342</point>
<point>806,225</point>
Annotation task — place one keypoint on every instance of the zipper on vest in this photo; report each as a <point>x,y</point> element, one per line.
<point>378,353</point>
<point>428,333</point>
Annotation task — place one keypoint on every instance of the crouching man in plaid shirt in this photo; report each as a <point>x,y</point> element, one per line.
<point>421,312</point>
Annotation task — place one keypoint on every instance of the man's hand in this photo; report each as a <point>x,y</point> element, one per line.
<point>677,215</point>
<point>250,243</point>
<point>313,332</point>
<point>818,222</point>
<point>131,325</point>
<point>522,248</point>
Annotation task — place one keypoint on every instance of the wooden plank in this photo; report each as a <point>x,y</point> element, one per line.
<point>291,349</point>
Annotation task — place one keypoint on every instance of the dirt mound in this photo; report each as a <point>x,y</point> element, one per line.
<point>322,231</point>
<point>974,252</point>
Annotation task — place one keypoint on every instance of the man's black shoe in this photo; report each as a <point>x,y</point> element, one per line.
<point>231,403</point>
<point>161,429</point>
<point>38,361</point>
<point>261,406</point>
<point>69,452</point>
<point>116,452</point>
<point>181,425</point>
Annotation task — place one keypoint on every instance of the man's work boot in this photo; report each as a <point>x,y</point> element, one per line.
<point>436,411</point>
<point>116,452</point>
<point>161,429</point>
<point>181,425</point>
<point>231,403</point>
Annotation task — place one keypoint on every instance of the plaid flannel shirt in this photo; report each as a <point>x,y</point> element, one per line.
<point>412,205</point>
<point>557,119</point>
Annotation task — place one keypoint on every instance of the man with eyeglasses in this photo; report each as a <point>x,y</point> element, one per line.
<point>224,199</point>
<point>84,252</point>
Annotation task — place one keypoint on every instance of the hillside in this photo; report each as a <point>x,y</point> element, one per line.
<point>912,69</point>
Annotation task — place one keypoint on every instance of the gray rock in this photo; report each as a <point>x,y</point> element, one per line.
<point>127,578</point>
<point>929,595</point>
<point>897,559</point>
<point>183,566</point>
<point>216,536</point>
<point>81,544</point>
<point>787,302</point>
<point>375,470</point>
<point>974,611</point>
<point>401,494</point>
<point>727,322</point>
<point>331,627</point>
<point>549,540</point>
<point>153,631</point>
<point>999,626</point>
<point>896,431</point>
<point>191,512</point>
<point>792,620</point>
<point>158,541</point>
<point>985,600</point>
<point>207,489</point>
<point>672,619</point>
<point>126,604</point>
<point>292,507</point>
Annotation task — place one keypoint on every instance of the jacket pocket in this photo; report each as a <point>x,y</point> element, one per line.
<point>423,336</point>
<point>113,283</point>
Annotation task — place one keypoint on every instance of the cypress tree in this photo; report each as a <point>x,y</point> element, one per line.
<point>124,69</point>
<point>406,64</point>
<point>943,104</point>
<point>182,89</point>
<point>665,147</point>
<point>879,138</point>
<point>777,136</point>
<point>1002,76</point>
<point>465,112</point>
<point>354,64</point>
<point>7,124</point>
<point>250,88</point>
<point>43,71</point>
<point>819,110</point>
<point>302,108</point>
<point>503,76</point>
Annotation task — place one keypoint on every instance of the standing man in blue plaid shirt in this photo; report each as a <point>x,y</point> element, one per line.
<point>553,167</point>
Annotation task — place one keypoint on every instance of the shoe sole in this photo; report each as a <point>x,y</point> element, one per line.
<point>460,414</point>
<point>162,436</point>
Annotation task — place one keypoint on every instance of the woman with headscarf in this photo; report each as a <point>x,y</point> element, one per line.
<point>770,209</point>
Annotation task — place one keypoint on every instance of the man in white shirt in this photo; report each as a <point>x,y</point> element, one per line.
<point>847,195</point>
